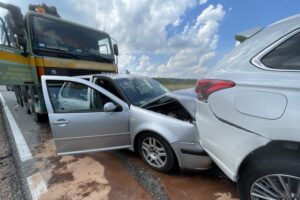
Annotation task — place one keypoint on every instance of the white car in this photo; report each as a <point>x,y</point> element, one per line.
<point>248,112</point>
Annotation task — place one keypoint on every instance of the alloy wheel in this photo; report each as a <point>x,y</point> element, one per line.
<point>276,186</point>
<point>154,152</point>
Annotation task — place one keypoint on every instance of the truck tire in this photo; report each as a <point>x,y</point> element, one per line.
<point>269,179</point>
<point>26,107</point>
<point>38,117</point>
<point>18,95</point>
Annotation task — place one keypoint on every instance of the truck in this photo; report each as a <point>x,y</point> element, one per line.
<point>42,43</point>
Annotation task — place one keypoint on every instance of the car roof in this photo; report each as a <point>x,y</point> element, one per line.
<point>112,76</point>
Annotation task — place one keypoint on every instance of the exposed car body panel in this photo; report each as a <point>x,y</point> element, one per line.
<point>187,98</point>
<point>146,120</point>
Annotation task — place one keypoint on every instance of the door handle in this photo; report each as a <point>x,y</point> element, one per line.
<point>60,122</point>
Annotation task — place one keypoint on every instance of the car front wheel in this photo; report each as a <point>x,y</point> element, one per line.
<point>271,179</point>
<point>157,152</point>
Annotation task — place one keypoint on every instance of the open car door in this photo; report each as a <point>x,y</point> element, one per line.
<point>84,117</point>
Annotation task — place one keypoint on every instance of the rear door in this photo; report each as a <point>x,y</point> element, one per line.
<point>77,118</point>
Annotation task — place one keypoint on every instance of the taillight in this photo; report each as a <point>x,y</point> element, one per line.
<point>205,87</point>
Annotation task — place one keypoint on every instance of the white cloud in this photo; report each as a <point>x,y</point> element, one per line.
<point>194,46</point>
<point>140,29</point>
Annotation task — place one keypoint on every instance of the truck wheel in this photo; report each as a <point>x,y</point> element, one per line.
<point>26,107</point>
<point>18,96</point>
<point>19,100</point>
<point>38,117</point>
<point>156,152</point>
<point>271,179</point>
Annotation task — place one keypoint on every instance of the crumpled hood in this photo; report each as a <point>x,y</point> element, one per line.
<point>187,98</point>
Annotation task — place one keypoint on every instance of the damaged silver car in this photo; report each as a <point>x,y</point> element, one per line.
<point>107,112</point>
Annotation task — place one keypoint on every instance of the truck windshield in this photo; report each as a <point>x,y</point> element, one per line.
<point>57,38</point>
<point>140,90</point>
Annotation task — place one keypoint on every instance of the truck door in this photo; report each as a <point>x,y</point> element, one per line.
<point>84,117</point>
<point>14,67</point>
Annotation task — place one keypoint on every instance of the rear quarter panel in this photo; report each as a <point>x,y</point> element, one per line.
<point>268,106</point>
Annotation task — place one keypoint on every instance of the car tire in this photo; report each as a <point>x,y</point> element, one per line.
<point>260,173</point>
<point>156,145</point>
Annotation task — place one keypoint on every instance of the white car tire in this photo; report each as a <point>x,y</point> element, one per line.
<point>276,178</point>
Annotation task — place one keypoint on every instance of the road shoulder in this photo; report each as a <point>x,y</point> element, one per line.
<point>9,181</point>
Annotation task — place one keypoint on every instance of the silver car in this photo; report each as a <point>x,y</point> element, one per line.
<point>107,112</point>
<point>248,112</point>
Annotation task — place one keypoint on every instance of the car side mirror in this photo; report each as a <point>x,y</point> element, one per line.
<point>109,107</point>
<point>116,49</point>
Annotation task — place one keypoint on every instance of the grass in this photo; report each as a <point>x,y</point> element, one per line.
<point>176,84</point>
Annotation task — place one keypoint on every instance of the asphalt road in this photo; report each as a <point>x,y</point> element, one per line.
<point>105,175</point>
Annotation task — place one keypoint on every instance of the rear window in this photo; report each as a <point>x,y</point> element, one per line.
<point>285,56</point>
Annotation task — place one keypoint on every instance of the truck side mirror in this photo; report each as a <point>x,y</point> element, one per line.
<point>116,49</point>
<point>22,42</point>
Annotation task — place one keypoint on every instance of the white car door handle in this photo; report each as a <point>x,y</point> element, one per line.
<point>60,122</point>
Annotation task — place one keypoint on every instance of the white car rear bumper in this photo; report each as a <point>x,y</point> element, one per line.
<point>226,143</point>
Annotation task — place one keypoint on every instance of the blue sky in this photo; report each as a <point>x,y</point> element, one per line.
<point>249,14</point>
<point>172,38</point>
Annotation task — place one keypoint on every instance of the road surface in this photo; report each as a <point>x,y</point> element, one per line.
<point>106,175</point>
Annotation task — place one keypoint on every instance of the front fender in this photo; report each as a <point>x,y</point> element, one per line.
<point>173,130</point>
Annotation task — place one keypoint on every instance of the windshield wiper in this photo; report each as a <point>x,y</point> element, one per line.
<point>97,57</point>
<point>57,51</point>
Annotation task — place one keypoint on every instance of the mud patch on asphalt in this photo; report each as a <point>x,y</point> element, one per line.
<point>90,187</point>
<point>225,196</point>
<point>60,178</point>
<point>123,185</point>
<point>86,180</point>
<point>192,185</point>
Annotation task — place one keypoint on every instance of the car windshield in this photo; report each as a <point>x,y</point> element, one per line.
<point>53,36</point>
<point>140,90</point>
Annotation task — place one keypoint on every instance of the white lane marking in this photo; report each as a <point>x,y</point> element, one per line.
<point>21,144</point>
<point>36,185</point>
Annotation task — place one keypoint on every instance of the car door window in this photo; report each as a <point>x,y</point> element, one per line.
<point>106,84</point>
<point>285,56</point>
<point>75,97</point>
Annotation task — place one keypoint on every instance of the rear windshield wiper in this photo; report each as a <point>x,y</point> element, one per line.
<point>58,52</point>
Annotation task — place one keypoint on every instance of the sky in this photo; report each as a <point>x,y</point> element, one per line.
<point>171,38</point>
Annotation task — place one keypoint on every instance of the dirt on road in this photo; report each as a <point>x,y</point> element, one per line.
<point>105,175</point>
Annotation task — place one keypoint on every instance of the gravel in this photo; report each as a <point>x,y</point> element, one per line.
<point>9,183</point>
<point>145,178</point>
